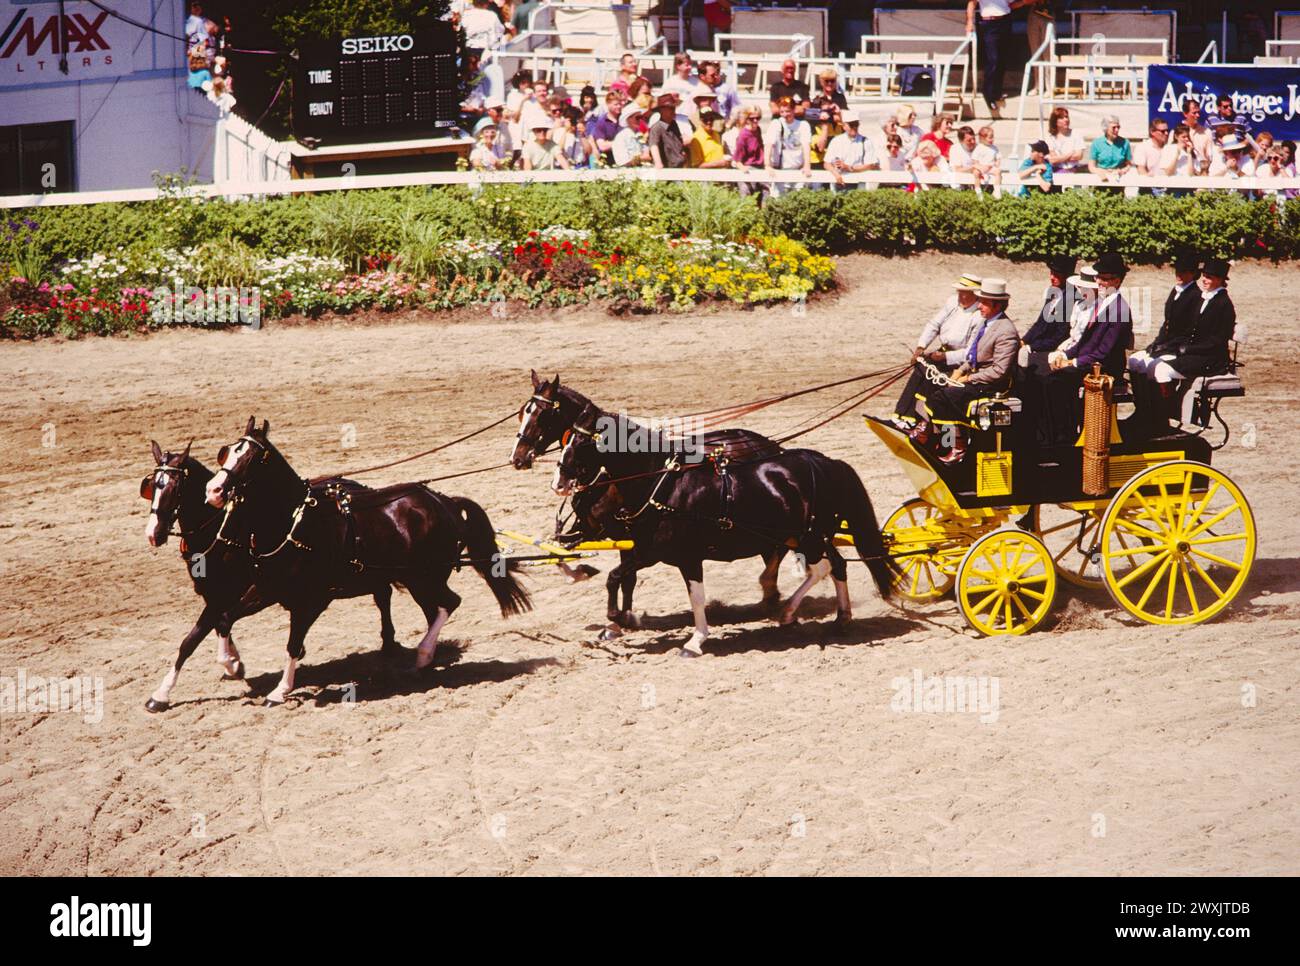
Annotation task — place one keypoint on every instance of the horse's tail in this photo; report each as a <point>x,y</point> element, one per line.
<point>497,570</point>
<point>854,504</point>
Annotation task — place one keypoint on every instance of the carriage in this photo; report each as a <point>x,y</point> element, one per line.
<point>1169,536</point>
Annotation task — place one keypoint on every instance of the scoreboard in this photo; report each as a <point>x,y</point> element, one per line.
<point>351,89</point>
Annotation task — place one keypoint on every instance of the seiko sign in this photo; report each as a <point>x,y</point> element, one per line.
<point>378,45</point>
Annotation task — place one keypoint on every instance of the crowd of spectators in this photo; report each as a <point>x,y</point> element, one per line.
<point>694,118</point>
<point>206,42</point>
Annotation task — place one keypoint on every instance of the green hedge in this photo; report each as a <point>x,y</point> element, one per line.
<point>1081,223</point>
<point>356,224</point>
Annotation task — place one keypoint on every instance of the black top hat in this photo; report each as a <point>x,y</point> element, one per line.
<point>1110,263</point>
<point>1062,265</point>
<point>1186,262</point>
<point>1216,267</point>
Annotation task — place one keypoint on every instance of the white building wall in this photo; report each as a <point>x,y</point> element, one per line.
<point>131,117</point>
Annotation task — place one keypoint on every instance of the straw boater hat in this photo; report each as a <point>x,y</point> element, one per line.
<point>968,283</point>
<point>994,289</point>
<point>1232,143</point>
<point>1087,278</point>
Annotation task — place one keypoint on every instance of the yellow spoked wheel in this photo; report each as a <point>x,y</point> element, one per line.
<point>1006,582</point>
<point>1177,543</point>
<point>1071,537</point>
<point>922,571</point>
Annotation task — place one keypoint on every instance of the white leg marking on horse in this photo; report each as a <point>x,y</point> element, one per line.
<point>164,692</point>
<point>695,588</point>
<point>815,573</point>
<point>285,686</point>
<point>429,643</point>
<point>227,655</point>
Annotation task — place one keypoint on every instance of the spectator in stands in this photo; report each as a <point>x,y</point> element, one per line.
<point>1035,172</point>
<point>928,160</point>
<point>1263,142</point>
<point>711,76</point>
<point>520,16</point>
<point>196,26</point>
<point>474,106</point>
<point>1240,122</point>
<point>630,149</point>
<point>826,124</point>
<point>1146,159</point>
<point>1231,159</point>
<point>589,104</point>
<point>1064,147</point>
<point>1178,157</point>
<point>1288,151</point>
<point>1220,130</point>
<point>962,159</point>
<point>908,130</point>
<point>485,156</point>
<point>994,23</point>
<point>789,143</point>
<point>717,14</point>
<point>749,152</point>
<point>940,129</point>
<point>703,99</point>
<point>1275,166</point>
<point>1110,155</point>
<point>684,80</point>
<point>521,85</point>
<point>541,153</point>
<point>495,115</point>
<point>828,88</point>
<point>665,137</point>
<point>789,86</point>
<point>639,97</point>
<point>604,129</point>
<point>895,154</point>
<point>567,133</point>
<point>1202,138</point>
<point>482,25</point>
<point>705,148</point>
<point>629,71</point>
<point>850,152</point>
<point>988,159</point>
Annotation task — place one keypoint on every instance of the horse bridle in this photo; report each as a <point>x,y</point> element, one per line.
<point>533,442</point>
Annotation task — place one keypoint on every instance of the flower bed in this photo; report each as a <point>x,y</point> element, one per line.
<point>555,266</point>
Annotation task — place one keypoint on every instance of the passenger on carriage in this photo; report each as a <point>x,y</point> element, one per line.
<point>987,368</point>
<point>1193,341</point>
<point>953,326</point>
<point>1101,333</point>
<point>1052,327</point>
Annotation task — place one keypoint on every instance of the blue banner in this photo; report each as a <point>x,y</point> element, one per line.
<point>1267,97</point>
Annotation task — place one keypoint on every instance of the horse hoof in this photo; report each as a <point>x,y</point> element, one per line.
<point>269,702</point>
<point>687,652</point>
<point>611,633</point>
<point>236,675</point>
<point>154,707</point>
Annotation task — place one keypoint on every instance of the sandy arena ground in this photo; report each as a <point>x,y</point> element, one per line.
<point>534,751</point>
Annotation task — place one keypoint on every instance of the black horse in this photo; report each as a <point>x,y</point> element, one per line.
<point>550,412</point>
<point>222,573</point>
<point>683,513</point>
<point>311,545</point>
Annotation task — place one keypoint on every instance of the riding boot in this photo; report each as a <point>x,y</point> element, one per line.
<point>958,451</point>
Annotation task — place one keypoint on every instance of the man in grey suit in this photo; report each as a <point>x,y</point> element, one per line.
<point>988,368</point>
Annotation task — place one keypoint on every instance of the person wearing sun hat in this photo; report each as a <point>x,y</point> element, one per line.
<point>952,327</point>
<point>1101,332</point>
<point>988,366</point>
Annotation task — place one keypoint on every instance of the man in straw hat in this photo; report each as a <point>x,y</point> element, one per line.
<point>952,326</point>
<point>988,367</point>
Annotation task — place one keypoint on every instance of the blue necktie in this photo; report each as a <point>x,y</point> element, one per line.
<point>975,344</point>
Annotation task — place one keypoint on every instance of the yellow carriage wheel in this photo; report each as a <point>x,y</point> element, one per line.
<point>922,574</point>
<point>1177,543</point>
<point>1006,582</point>
<point>1071,538</point>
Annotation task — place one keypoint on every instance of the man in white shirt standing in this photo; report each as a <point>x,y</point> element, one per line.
<point>850,152</point>
<point>483,28</point>
<point>952,326</point>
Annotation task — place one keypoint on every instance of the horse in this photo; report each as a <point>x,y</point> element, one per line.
<point>682,514</point>
<point>328,543</point>
<point>222,573</point>
<point>547,415</point>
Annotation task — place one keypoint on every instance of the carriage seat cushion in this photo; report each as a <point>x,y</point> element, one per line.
<point>1225,384</point>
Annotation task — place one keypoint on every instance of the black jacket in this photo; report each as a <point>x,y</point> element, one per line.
<point>1204,350</point>
<point>1052,327</point>
<point>1180,319</point>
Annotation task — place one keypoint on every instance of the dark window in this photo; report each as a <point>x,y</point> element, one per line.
<point>36,158</point>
